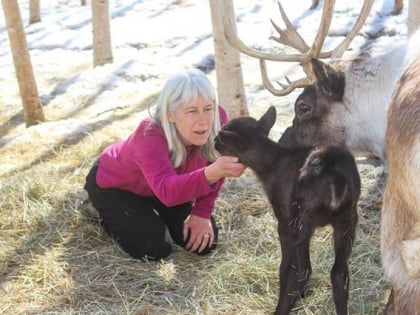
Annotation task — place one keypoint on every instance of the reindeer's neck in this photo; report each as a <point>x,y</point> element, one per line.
<point>368,91</point>
<point>371,80</point>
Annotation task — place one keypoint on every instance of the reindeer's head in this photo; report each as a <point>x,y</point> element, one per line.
<point>315,120</point>
<point>243,136</point>
<point>315,109</point>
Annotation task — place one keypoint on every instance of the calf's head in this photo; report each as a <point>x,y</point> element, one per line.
<point>243,136</point>
<point>316,109</point>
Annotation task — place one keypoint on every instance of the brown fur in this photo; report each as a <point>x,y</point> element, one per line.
<point>400,227</point>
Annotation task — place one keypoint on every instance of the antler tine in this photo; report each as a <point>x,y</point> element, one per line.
<point>237,43</point>
<point>286,89</point>
<point>327,13</point>
<point>290,36</point>
<point>364,13</point>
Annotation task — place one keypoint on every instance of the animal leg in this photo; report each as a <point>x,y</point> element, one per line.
<point>303,262</point>
<point>343,241</point>
<point>295,269</point>
<point>285,270</point>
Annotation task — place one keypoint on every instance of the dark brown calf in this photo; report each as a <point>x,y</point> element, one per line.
<point>307,187</point>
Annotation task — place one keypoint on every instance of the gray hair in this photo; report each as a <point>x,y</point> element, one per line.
<point>182,88</point>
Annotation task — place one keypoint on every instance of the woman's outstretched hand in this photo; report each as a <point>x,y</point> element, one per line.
<point>224,166</point>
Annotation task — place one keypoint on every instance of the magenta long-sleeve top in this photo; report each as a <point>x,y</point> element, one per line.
<point>141,164</point>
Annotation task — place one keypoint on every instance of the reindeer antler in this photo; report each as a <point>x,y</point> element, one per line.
<point>338,52</point>
<point>290,37</point>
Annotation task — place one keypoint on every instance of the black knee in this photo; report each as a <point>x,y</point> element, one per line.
<point>146,246</point>
<point>148,250</point>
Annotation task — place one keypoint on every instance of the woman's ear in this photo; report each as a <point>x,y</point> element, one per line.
<point>171,117</point>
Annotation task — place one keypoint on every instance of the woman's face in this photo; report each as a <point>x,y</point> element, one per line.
<point>194,121</point>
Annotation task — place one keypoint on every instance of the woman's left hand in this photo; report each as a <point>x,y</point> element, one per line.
<point>200,233</point>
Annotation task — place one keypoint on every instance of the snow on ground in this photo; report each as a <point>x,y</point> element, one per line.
<point>151,39</point>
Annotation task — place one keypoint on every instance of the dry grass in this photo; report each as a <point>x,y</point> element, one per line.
<point>56,259</point>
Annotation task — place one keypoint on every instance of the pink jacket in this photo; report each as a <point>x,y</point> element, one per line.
<point>141,165</point>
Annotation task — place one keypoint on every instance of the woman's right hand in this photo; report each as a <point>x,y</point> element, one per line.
<point>224,166</point>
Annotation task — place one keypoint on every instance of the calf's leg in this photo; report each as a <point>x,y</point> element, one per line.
<point>285,302</point>
<point>343,240</point>
<point>295,269</point>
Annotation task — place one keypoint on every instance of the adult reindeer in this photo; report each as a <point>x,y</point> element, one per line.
<point>400,225</point>
<point>342,104</point>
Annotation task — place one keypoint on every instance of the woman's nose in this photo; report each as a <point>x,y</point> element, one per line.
<point>203,116</point>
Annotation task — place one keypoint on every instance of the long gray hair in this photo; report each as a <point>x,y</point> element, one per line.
<point>182,88</point>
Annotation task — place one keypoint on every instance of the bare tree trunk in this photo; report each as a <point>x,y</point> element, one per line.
<point>398,6</point>
<point>230,85</point>
<point>34,11</point>
<point>413,16</point>
<point>314,4</point>
<point>102,50</point>
<point>25,76</point>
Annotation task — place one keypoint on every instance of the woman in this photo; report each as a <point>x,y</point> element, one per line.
<point>161,183</point>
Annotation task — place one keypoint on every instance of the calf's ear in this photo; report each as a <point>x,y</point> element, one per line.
<point>329,81</point>
<point>267,120</point>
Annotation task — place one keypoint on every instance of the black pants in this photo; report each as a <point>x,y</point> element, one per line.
<point>140,224</point>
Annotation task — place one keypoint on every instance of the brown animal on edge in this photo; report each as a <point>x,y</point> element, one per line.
<point>400,225</point>
<point>307,187</point>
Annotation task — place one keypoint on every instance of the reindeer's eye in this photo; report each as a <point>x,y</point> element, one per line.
<point>303,110</point>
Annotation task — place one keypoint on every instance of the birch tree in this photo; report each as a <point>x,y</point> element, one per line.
<point>230,85</point>
<point>34,11</point>
<point>102,49</point>
<point>32,109</point>
<point>413,16</point>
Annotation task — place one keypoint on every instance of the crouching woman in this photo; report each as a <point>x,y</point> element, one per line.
<point>159,185</point>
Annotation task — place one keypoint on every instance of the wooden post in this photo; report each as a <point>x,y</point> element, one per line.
<point>25,76</point>
<point>34,11</point>
<point>102,49</point>
<point>230,85</point>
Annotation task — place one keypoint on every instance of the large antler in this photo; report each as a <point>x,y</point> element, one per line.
<point>292,38</point>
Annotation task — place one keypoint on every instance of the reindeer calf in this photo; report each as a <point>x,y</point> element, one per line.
<point>307,187</point>
<point>400,226</point>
